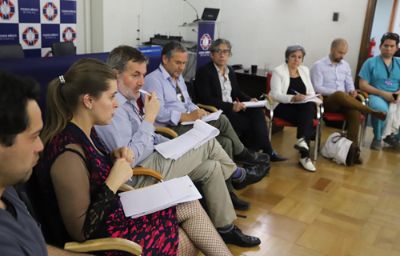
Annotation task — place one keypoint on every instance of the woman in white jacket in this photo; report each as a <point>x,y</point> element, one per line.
<point>290,83</point>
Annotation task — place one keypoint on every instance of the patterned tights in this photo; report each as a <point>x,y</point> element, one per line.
<point>197,232</point>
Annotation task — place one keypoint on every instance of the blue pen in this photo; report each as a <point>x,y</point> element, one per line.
<point>295,91</point>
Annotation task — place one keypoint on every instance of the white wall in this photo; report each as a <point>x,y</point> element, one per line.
<point>259,30</point>
<point>381,21</point>
<point>82,35</point>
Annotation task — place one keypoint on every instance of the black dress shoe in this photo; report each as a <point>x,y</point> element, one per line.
<point>238,203</point>
<point>277,158</point>
<point>262,157</point>
<point>236,237</point>
<point>250,158</point>
<point>253,174</point>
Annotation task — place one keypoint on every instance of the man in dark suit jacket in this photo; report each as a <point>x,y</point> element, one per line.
<point>216,85</point>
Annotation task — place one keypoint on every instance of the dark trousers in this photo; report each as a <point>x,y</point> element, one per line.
<point>351,108</point>
<point>300,115</point>
<point>251,127</point>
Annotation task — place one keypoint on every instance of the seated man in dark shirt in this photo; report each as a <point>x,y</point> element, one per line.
<point>216,85</point>
<point>19,151</point>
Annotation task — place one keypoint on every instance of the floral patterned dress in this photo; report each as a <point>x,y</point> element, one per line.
<point>157,233</point>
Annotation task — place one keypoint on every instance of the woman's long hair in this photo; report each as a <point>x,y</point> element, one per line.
<point>86,76</point>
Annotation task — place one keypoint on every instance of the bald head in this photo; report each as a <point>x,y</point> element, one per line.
<point>339,49</point>
<point>338,42</point>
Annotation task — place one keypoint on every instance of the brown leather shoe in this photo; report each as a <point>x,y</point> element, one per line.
<point>358,161</point>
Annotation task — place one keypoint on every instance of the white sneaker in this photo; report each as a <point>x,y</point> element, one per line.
<point>307,164</point>
<point>301,145</point>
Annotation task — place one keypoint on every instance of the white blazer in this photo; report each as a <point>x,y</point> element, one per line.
<point>280,83</point>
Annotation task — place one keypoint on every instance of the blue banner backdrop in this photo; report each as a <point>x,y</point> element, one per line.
<point>205,37</point>
<point>36,24</point>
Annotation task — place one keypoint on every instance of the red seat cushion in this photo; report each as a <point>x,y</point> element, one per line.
<point>280,122</point>
<point>330,116</point>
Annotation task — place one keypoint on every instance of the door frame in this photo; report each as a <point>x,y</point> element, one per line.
<point>366,35</point>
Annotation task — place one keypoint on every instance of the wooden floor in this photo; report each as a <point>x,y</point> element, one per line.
<point>349,211</point>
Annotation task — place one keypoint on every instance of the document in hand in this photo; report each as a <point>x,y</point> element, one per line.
<point>194,138</point>
<point>210,117</point>
<point>314,98</point>
<point>139,202</point>
<point>255,104</point>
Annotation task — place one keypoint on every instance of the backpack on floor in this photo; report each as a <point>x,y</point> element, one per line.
<point>340,149</point>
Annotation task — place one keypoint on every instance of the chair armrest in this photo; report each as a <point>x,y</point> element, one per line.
<point>362,96</point>
<point>167,132</point>
<point>105,244</point>
<point>363,93</point>
<point>137,171</point>
<point>269,104</point>
<point>209,108</point>
<point>125,188</point>
<point>320,110</point>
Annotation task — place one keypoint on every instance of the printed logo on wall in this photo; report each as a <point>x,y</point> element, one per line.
<point>37,24</point>
<point>30,36</point>
<point>68,34</point>
<point>205,42</point>
<point>50,11</point>
<point>8,11</point>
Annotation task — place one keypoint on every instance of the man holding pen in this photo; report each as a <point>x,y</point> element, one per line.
<point>177,107</point>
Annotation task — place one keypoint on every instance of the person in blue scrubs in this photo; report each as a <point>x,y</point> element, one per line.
<point>380,77</point>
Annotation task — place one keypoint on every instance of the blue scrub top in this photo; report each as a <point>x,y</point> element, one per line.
<point>377,74</point>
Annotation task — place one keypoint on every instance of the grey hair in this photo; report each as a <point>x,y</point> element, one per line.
<point>121,55</point>
<point>171,48</point>
<point>294,48</point>
<point>218,42</point>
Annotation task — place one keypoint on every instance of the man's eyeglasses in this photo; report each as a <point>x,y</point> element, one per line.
<point>222,51</point>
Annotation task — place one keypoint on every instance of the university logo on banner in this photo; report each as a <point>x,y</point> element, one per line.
<point>50,11</point>
<point>68,33</point>
<point>205,42</point>
<point>8,11</point>
<point>29,34</point>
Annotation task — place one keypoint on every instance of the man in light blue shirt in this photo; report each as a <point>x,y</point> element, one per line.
<point>380,77</point>
<point>331,77</point>
<point>177,107</point>
<point>133,126</point>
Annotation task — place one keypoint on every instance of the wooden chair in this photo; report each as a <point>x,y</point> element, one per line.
<point>118,244</point>
<point>100,244</point>
<point>279,122</point>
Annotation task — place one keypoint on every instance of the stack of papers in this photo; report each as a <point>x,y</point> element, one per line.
<point>143,201</point>
<point>255,104</point>
<point>194,138</point>
<point>310,98</point>
<point>210,117</point>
